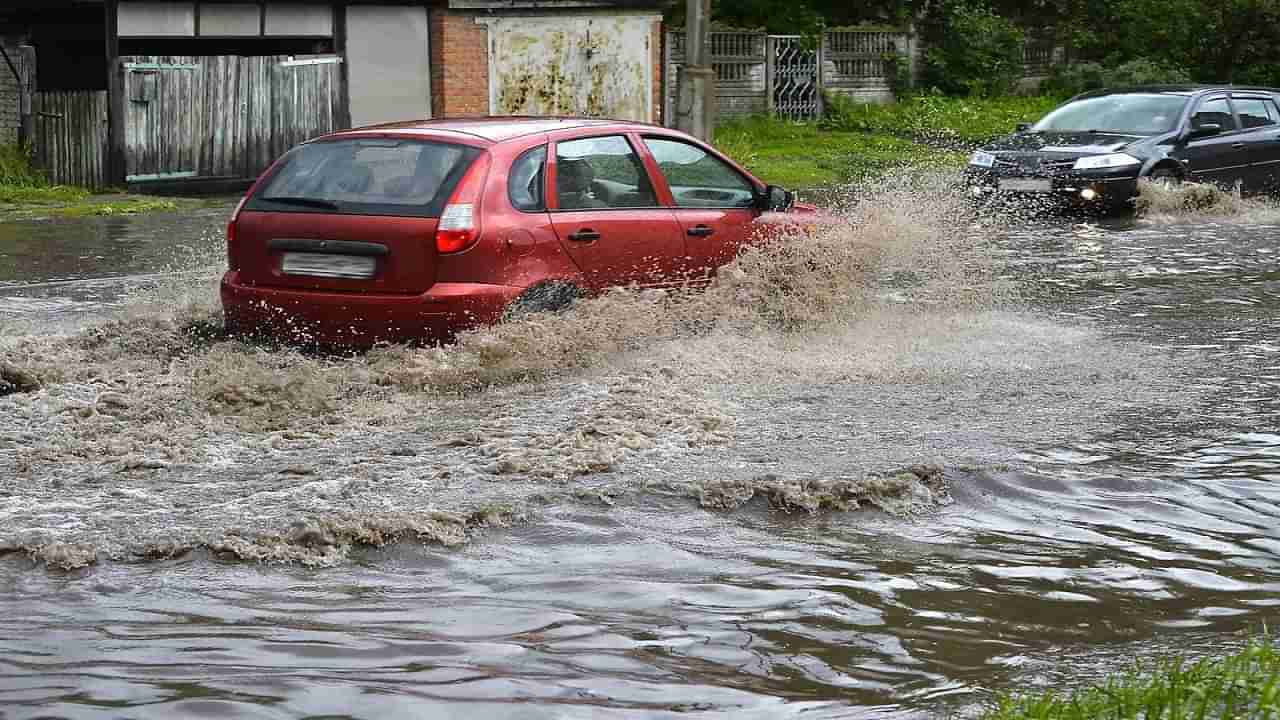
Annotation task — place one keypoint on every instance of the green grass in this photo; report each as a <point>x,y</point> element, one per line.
<point>50,195</point>
<point>1243,686</point>
<point>126,206</point>
<point>800,155</point>
<point>26,192</point>
<point>959,121</point>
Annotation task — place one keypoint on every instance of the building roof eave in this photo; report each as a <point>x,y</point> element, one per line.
<point>559,4</point>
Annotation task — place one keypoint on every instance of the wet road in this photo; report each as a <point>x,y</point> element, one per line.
<point>640,521</point>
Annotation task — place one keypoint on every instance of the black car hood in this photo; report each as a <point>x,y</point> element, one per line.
<point>1083,143</point>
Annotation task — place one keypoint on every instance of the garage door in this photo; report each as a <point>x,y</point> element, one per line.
<point>600,66</point>
<point>389,70</point>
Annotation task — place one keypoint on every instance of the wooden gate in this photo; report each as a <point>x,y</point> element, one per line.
<point>162,120</point>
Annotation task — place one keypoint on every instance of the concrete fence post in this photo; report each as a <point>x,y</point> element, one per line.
<point>696,96</point>
<point>913,56</point>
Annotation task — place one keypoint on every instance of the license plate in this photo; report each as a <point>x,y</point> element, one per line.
<point>328,265</point>
<point>1030,185</point>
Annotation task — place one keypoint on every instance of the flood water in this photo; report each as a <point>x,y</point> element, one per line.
<point>1002,454</point>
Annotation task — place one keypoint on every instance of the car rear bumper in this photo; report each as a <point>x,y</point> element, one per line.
<point>318,317</point>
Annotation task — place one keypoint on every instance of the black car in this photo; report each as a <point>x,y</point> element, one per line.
<point>1092,149</point>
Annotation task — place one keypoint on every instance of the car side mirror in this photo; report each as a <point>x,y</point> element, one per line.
<point>775,199</point>
<point>1023,126</point>
<point>1205,130</point>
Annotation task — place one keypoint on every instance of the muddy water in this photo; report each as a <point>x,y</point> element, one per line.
<point>929,458</point>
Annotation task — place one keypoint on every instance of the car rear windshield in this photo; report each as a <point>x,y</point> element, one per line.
<point>366,176</point>
<point>1127,114</point>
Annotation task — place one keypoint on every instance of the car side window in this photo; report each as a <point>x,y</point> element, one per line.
<point>1256,112</point>
<point>1216,111</point>
<point>697,178</point>
<point>601,172</point>
<point>524,184</point>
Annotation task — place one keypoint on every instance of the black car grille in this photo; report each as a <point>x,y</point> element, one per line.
<point>1034,165</point>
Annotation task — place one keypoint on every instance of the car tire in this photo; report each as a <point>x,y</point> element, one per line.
<point>1165,177</point>
<point>547,297</point>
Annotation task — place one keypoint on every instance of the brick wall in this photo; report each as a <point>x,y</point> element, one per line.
<point>9,96</point>
<point>459,65</point>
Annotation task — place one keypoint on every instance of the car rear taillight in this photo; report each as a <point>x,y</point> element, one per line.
<point>233,233</point>
<point>231,242</point>
<point>459,226</point>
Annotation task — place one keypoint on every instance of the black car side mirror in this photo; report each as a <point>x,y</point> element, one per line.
<point>1205,130</point>
<point>775,199</point>
<point>1023,126</point>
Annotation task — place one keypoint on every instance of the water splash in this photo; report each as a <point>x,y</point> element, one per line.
<point>151,430</point>
<point>1191,201</point>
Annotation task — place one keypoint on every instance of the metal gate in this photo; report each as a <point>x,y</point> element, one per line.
<point>795,77</point>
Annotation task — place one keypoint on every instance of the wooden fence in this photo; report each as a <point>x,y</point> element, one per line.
<point>71,137</point>
<point>193,117</point>
<point>226,116</point>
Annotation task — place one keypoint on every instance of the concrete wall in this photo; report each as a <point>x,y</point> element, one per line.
<point>177,18</point>
<point>240,20</point>
<point>157,19</point>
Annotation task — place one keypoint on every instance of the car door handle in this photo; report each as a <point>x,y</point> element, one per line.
<point>1237,146</point>
<point>584,235</point>
<point>700,231</point>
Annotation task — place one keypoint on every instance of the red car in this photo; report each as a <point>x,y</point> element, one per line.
<point>416,231</point>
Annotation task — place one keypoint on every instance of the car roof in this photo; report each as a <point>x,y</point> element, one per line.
<point>1187,89</point>
<point>496,128</point>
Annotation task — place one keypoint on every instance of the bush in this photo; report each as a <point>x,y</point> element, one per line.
<point>1261,74</point>
<point>22,183</point>
<point>972,50</point>
<point>1073,79</point>
<point>1082,77</point>
<point>1144,71</point>
<point>16,169</point>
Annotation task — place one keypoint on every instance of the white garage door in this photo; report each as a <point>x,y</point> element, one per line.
<point>389,72</point>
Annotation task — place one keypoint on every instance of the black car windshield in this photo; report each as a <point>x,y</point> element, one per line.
<point>365,176</point>
<point>1123,114</point>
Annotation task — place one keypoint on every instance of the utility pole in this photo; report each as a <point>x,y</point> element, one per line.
<point>696,85</point>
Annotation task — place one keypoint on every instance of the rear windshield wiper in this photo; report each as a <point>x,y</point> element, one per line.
<point>304,201</point>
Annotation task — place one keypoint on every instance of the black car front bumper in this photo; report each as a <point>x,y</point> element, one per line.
<point>1081,189</point>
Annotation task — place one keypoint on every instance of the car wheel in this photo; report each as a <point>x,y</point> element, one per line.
<point>547,297</point>
<point>1165,177</point>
